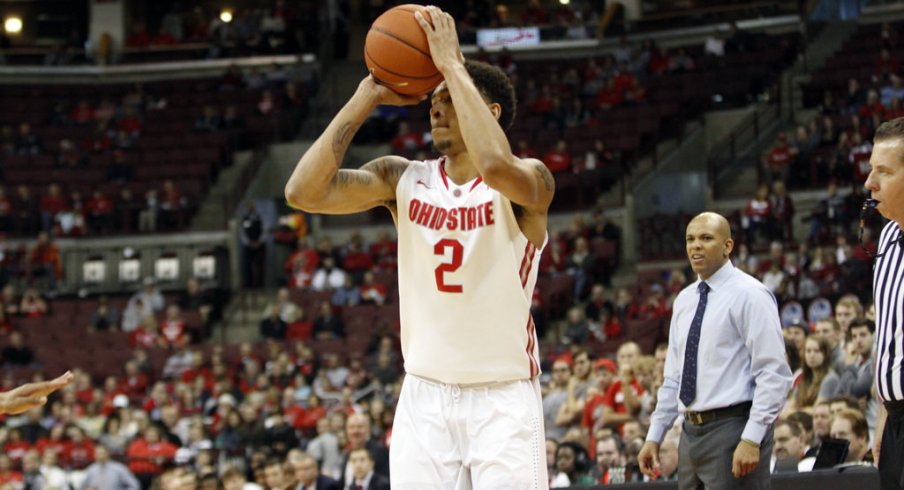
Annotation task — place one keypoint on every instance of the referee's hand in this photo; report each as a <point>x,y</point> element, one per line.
<point>648,459</point>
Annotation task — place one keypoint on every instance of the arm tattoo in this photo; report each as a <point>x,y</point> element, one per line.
<point>346,178</point>
<point>342,139</point>
<point>546,175</point>
<point>388,169</point>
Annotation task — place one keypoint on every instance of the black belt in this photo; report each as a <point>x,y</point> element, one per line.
<point>896,407</point>
<point>700,418</point>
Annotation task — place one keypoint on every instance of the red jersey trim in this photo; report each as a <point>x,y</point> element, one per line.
<point>442,173</point>
<point>527,262</point>
<point>531,343</point>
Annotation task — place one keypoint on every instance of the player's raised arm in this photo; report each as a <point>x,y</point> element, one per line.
<point>317,184</point>
<point>526,182</point>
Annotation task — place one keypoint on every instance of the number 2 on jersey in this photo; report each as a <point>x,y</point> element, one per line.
<point>441,269</point>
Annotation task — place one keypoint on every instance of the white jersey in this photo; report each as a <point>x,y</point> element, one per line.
<point>466,280</point>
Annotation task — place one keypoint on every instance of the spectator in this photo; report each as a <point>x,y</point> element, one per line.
<point>829,215</point>
<point>373,292</point>
<point>857,379</point>
<point>327,325</point>
<point>307,474</point>
<point>147,334</point>
<point>253,246</point>
<point>850,425</point>
<point>272,326</point>
<point>559,158</point>
<point>789,445</point>
<point>209,120</point>
<point>148,454</point>
<point>847,310</point>
<point>27,143</point>
<point>32,304</point>
<point>778,159</point>
<point>346,295</point>
<point>819,381</point>
<point>172,328</point>
<point>17,354</point>
<point>172,206</point>
<point>888,65</point>
<point>356,261</point>
<point>363,472</point>
<point>610,461</point>
<point>328,276</point>
<point>99,212</point>
<point>781,208</point>
<point>715,44</point>
<point>150,212</point>
<point>358,434</point>
<point>572,464</point>
<point>193,298</point>
<point>830,330</point>
<point>580,265</point>
<point>407,141</point>
<point>233,478</point>
<point>52,204</point>
<point>325,448</point>
<point>44,261</point>
<point>120,170</point>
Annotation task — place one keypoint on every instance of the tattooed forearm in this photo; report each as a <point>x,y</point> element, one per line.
<point>546,175</point>
<point>346,178</point>
<point>342,139</point>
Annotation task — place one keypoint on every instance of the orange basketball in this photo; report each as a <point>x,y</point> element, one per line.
<point>397,53</point>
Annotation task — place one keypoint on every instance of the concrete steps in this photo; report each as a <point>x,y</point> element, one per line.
<point>213,213</point>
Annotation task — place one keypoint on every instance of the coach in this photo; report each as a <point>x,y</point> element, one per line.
<point>886,184</point>
<point>726,365</point>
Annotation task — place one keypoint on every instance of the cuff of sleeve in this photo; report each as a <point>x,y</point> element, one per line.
<point>754,432</point>
<point>656,433</point>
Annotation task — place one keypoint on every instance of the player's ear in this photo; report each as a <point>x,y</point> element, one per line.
<point>496,109</point>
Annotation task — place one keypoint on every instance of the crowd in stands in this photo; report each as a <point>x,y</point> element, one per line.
<point>276,27</point>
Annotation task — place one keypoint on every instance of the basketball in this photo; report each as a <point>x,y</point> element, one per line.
<point>397,54</point>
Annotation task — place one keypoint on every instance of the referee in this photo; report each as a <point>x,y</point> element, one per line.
<point>886,185</point>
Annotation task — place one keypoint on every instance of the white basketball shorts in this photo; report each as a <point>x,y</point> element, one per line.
<point>454,437</point>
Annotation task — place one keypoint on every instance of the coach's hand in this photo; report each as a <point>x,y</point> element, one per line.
<point>31,395</point>
<point>746,458</point>
<point>648,459</point>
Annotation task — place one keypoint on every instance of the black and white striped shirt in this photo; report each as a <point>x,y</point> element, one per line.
<point>888,296</point>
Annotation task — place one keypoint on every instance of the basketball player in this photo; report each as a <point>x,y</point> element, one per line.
<point>471,227</point>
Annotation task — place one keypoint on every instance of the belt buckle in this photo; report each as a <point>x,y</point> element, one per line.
<point>695,418</point>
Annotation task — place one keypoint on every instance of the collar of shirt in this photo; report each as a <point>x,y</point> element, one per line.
<point>719,278</point>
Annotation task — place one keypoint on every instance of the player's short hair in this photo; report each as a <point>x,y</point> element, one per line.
<point>863,322</point>
<point>890,129</point>
<point>496,86</point>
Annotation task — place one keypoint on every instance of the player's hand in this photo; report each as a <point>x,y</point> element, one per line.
<point>384,95</point>
<point>442,38</point>
<point>648,459</point>
<point>745,460</point>
<point>31,395</point>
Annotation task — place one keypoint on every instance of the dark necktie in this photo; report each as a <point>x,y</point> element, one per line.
<point>689,375</point>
